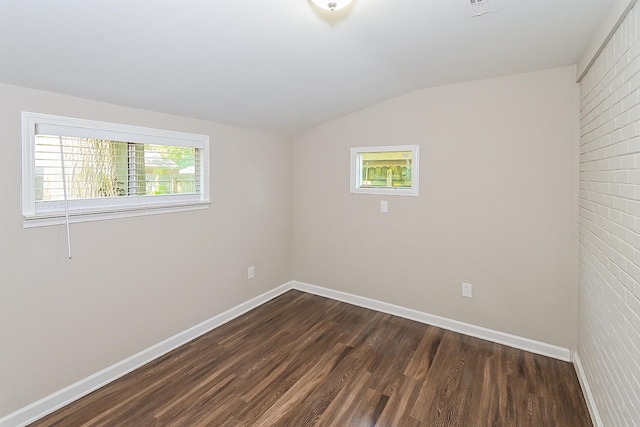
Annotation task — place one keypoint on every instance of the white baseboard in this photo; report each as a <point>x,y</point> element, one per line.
<point>586,391</point>
<point>442,322</point>
<point>75,391</point>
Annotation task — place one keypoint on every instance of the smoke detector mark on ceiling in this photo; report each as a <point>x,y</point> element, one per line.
<point>479,7</point>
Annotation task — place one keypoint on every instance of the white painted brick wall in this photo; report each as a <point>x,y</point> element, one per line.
<point>609,286</point>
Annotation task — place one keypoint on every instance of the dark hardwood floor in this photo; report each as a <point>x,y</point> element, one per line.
<point>304,360</point>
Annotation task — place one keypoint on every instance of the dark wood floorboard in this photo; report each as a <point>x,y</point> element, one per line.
<point>304,360</point>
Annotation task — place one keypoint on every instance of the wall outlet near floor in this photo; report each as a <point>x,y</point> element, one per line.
<point>467,290</point>
<point>251,272</point>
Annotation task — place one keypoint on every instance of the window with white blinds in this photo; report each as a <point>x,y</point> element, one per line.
<point>102,170</point>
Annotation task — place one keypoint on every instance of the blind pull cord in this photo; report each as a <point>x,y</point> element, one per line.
<point>66,200</point>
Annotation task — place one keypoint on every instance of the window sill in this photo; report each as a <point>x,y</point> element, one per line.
<point>43,220</point>
<point>386,191</point>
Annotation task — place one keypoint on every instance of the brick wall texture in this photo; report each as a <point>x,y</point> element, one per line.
<point>609,227</point>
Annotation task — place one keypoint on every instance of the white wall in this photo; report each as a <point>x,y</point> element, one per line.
<point>132,282</point>
<point>495,209</point>
<point>609,285</point>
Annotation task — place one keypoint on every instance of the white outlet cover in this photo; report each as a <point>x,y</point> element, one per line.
<point>251,272</point>
<point>467,290</point>
<point>384,206</point>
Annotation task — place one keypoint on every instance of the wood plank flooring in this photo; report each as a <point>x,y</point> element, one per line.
<point>304,360</point>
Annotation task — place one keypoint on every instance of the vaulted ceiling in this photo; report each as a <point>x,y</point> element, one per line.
<point>279,65</point>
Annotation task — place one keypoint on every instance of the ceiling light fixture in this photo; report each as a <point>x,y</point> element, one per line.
<point>331,4</point>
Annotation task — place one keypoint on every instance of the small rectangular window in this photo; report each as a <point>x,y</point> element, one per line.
<point>385,170</point>
<point>104,170</point>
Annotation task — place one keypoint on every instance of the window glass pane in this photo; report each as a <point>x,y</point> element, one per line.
<point>96,168</point>
<point>170,169</point>
<point>386,169</point>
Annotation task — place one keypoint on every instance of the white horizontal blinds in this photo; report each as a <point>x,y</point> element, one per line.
<point>99,168</point>
<point>197,170</point>
<point>136,170</point>
<point>45,128</point>
<point>93,168</point>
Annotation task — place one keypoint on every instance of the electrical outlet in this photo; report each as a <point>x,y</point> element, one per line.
<point>467,290</point>
<point>251,272</point>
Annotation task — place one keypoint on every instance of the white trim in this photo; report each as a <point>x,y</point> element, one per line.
<point>442,322</point>
<point>109,130</point>
<point>76,217</point>
<point>37,213</point>
<point>57,400</point>
<point>586,390</point>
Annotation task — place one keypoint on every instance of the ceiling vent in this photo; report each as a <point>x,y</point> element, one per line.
<point>479,7</point>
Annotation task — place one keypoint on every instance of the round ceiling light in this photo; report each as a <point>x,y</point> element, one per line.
<point>331,4</point>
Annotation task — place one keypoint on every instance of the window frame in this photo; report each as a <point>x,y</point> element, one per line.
<point>81,210</point>
<point>356,171</point>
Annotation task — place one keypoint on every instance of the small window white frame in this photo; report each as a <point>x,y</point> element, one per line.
<point>356,171</point>
<point>109,208</point>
